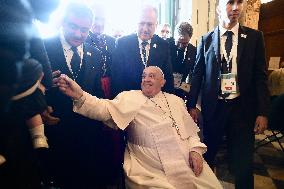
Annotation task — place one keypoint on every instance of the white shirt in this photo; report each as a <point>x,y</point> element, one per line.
<point>234,52</point>
<point>68,53</point>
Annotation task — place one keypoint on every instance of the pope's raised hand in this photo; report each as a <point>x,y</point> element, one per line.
<point>69,87</point>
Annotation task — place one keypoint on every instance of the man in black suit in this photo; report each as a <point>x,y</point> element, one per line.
<point>106,45</point>
<point>113,142</point>
<point>76,152</point>
<point>136,51</point>
<point>230,70</point>
<point>183,57</point>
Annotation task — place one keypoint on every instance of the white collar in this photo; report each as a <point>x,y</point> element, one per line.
<point>159,95</point>
<point>235,29</point>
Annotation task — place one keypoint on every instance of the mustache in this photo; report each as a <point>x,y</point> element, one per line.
<point>145,32</point>
<point>235,12</point>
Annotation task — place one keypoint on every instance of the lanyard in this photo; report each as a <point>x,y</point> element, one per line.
<point>147,49</point>
<point>174,123</point>
<point>184,54</point>
<point>66,54</point>
<point>229,57</point>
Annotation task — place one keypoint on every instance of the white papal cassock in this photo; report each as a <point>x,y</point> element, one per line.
<point>156,156</point>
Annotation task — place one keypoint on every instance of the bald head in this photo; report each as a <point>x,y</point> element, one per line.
<point>152,81</point>
<point>156,69</point>
<point>147,23</point>
<point>149,9</point>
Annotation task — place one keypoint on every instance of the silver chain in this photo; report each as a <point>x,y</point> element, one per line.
<point>174,124</point>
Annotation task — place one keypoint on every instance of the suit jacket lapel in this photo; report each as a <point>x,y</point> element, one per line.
<point>152,52</point>
<point>241,42</point>
<point>87,60</point>
<point>88,65</point>
<point>135,50</point>
<point>216,44</point>
<point>59,62</point>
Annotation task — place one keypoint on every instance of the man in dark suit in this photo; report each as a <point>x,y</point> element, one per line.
<point>75,143</point>
<point>230,70</point>
<point>136,51</point>
<point>183,57</point>
<point>113,143</point>
<point>106,45</point>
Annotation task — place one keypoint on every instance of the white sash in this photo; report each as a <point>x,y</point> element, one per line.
<point>177,171</point>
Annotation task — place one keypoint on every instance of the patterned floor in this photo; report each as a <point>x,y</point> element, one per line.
<point>268,166</point>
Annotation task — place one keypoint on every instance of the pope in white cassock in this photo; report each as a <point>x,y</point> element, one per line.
<point>163,149</point>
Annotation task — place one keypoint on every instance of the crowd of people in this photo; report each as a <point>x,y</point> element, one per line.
<point>85,110</point>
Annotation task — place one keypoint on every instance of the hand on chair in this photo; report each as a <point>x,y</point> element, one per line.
<point>194,114</point>
<point>196,162</point>
<point>260,124</point>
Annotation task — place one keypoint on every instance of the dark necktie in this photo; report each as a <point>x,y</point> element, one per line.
<point>75,62</point>
<point>144,44</point>
<point>228,43</point>
<point>226,66</point>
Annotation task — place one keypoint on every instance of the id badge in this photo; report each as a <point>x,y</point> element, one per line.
<point>228,83</point>
<point>177,80</point>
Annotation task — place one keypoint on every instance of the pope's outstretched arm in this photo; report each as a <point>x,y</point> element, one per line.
<point>93,108</point>
<point>115,113</point>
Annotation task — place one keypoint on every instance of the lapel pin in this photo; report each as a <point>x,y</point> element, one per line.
<point>89,54</point>
<point>155,45</point>
<point>243,35</point>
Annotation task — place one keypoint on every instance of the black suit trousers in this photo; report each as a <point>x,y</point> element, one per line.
<point>230,120</point>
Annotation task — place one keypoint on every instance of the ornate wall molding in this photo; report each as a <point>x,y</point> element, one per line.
<point>250,17</point>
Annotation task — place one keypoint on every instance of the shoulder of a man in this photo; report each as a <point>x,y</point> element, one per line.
<point>248,29</point>
<point>209,34</point>
<point>160,41</point>
<point>127,38</point>
<point>49,42</point>
<point>251,31</point>
<point>110,38</point>
<point>90,48</point>
<point>191,47</point>
<point>207,38</point>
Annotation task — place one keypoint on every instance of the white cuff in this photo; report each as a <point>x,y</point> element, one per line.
<point>79,103</point>
<point>200,150</point>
